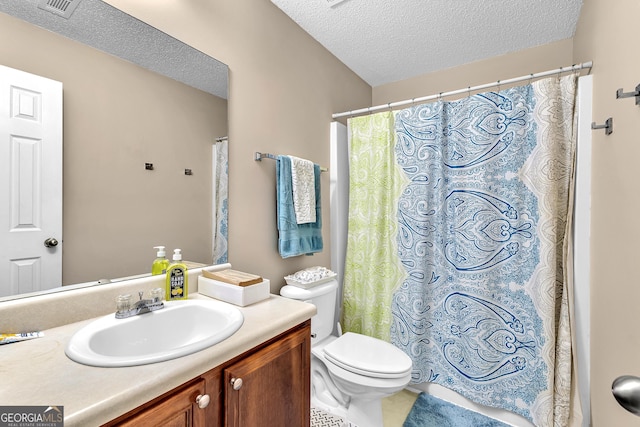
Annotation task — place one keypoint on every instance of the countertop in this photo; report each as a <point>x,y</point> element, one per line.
<point>37,372</point>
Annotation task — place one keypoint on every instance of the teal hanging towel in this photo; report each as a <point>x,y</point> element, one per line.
<point>295,239</point>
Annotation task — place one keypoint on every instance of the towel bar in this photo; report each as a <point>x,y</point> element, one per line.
<point>259,156</point>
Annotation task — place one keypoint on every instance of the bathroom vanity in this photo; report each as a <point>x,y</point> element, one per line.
<point>266,386</point>
<point>258,376</point>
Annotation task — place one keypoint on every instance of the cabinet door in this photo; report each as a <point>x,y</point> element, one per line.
<point>213,385</point>
<point>271,388</point>
<point>179,409</point>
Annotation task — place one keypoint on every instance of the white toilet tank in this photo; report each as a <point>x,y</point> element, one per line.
<point>324,298</point>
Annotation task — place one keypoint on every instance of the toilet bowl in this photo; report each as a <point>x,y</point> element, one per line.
<point>351,373</point>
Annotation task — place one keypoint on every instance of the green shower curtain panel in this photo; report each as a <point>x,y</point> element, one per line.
<point>456,249</point>
<point>372,268</point>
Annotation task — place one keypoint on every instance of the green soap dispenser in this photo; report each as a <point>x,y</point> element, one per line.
<point>177,278</point>
<point>161,262</point>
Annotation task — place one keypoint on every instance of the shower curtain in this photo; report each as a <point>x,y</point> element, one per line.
<point>220,201</point>
<point>461,260</point>
<point>372,263</point>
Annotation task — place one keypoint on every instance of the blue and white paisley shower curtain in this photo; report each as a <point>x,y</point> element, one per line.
<point>481,222</point>
<point>221,204</point>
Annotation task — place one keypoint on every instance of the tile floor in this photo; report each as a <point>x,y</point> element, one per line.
<point>395,408</point>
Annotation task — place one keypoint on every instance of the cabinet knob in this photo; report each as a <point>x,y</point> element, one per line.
<point>203,400</point>
<point>236,383</point>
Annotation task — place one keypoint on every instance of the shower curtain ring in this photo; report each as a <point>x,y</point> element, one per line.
<point>469,91</point>
<point>498,85</point>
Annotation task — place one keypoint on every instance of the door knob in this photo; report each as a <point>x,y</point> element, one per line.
<point>203,400</point>
<point>236,383</point>
<point>51,242</point>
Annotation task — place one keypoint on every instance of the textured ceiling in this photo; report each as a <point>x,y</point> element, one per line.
<point>385,41</point>
<point>104,27</point>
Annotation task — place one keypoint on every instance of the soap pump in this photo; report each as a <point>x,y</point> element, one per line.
<point>177,278</point>
<point>161,262</point>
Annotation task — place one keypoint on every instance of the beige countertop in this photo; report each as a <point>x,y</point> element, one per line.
<point>37,372</point>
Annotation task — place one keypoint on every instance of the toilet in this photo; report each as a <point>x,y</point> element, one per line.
<point>351,373</point>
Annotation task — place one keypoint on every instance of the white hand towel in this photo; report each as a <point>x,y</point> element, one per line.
<point>304,190</point>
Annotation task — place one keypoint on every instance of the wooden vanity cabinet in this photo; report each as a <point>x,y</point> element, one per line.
<point>271,387</point>
<point>177,409</point>
<point>268,386</point>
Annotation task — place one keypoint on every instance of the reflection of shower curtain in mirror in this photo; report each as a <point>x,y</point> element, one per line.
<point>482,303</point>
<point>220,201</point>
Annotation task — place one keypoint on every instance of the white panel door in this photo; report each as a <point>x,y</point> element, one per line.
<point>30,182</point>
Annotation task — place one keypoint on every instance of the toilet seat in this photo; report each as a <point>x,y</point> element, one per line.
<point>368,356</point>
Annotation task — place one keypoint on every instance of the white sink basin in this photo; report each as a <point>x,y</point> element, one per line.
<point>181,328</point>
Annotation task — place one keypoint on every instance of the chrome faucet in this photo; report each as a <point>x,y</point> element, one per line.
<point>125,309</point>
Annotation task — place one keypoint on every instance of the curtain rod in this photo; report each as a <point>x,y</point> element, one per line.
<point>392,105</point>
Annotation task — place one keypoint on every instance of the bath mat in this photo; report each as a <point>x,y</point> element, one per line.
<point>429,411</point>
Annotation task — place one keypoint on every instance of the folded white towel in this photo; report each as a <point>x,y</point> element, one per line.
<point>304,190</point>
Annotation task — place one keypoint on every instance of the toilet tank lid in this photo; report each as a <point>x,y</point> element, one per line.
<point>295,292</point>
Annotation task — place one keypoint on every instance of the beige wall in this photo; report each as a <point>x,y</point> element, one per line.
<point>115,120</point>
<point>284,87</point>
<point>608,34</point>
<point>534,60</point>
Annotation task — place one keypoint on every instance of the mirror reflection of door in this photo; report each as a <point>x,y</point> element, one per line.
<point>30,182</point>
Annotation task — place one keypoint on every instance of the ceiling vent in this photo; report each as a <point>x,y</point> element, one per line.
<point>62,8</point>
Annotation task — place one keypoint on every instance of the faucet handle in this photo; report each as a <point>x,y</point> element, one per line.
<point>157,294</point>
<point>123,302</point>
<point>140,294</point>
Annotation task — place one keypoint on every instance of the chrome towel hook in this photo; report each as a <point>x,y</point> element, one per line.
<point>621,94</point>
<point>607,126</point>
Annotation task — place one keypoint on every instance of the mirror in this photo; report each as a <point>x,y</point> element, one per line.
<point>117,117</point>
